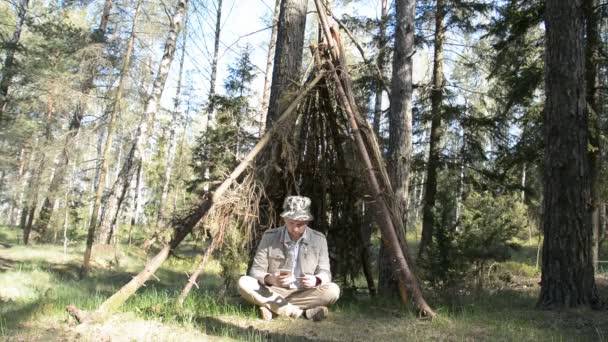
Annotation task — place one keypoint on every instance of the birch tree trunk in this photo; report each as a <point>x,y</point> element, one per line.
<point>430,192</point>
<point>174,125</point>
<point>116,108</point>
<point>216,50</point>
<point>8,69</point>
<point>142,134</point>
<point>568,278</point>
<point>136,202</point>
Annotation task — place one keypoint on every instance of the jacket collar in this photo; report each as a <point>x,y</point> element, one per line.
<point>287,239</point>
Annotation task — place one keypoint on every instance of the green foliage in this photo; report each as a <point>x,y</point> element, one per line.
<point>488,225</point>
<point>484,233</point>
<point>216,152</point>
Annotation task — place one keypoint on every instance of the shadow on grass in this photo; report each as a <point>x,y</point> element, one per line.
<point>6,264</point>
<point>15,314</point>
<point>215,326</point>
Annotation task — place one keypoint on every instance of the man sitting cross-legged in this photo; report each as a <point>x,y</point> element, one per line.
<point>290,275</point>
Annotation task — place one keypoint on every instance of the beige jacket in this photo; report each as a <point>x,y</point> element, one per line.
<point>272,255</point>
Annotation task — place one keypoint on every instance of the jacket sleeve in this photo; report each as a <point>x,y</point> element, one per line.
<point>259,268</point>
<point>323,272</point>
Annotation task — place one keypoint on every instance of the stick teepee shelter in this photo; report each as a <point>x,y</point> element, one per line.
<point>331,70</point>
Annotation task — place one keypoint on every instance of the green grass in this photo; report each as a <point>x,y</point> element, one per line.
<point>38,282</point>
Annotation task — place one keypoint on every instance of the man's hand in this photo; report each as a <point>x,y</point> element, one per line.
<point>309,280</point>
<point>276,279</point>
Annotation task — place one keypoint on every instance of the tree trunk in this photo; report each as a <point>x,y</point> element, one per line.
<point>108,144</point>
<point>567,270</point>
<point>18,199</point>
<point>175,123</point>
<point>592,57</point>
<point>142,133</point>
<point>8,69</point>
<point>460,190</point>
<point>365,232</point>
<point>285,82</point>
<point>269,60</point>
<point>105,17</point>
<point>380,62</point>
<point>603,225</point>
<point>400,128</point>
<point>216,50</point>
<point>136,202</point>
<point>430,190</point>
<point>27,216</point>
<point>185,226</point>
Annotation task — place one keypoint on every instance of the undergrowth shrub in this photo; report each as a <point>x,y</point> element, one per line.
<point>461,253</point>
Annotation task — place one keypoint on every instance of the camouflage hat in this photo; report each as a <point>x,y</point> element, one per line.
<point>297,208</point>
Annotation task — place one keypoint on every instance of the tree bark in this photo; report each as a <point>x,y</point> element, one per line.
<point>567,270</point>
<point>400,128</point>
<point>142,134</point>
<point>592,50</point>
<point>430,190</point>
<point>108,143</point>
<point>288,56</point>
<point>185,226</point>
<point>285,82</point>
<point>271,50</point>
<point>8,69</point>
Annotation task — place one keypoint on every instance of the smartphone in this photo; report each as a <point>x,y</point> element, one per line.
<point>284,272</point>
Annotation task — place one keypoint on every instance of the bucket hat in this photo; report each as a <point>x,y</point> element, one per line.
<point>297,208</point>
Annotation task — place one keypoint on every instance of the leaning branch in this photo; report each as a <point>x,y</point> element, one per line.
<point>407,279</point>
<point>384,81</point>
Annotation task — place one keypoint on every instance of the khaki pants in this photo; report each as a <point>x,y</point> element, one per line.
<point>286,302</point>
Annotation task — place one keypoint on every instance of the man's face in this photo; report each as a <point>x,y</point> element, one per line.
<point>295,228</point>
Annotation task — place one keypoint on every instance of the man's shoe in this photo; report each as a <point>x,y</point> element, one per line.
<point>316,314</point>
<point>265,313</point>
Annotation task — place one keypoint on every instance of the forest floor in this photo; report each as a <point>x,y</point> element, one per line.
<point>37,282</point>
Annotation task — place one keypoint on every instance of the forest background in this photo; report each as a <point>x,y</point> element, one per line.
<point>119,118</point>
